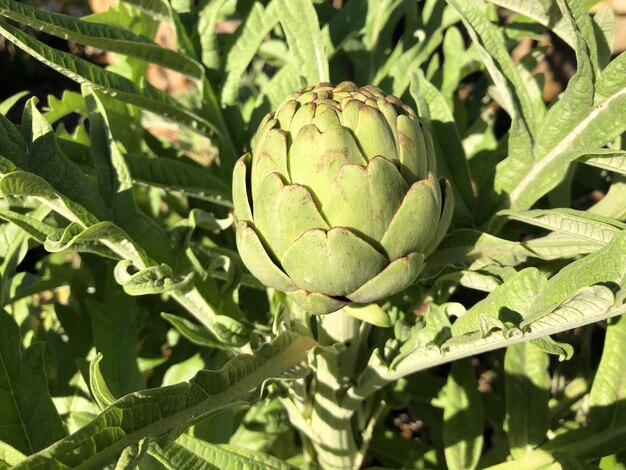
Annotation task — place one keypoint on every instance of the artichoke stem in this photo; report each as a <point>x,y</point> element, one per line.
<point>333,431</point>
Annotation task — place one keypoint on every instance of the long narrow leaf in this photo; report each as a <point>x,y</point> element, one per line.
<point>101,36</point>
<point>114,85</point>
<point>165,412</point>
<point>306,43</point>
<point>608,394</point>
<point>527,386</point>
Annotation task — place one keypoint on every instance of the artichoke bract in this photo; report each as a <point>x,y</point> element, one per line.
<point>338,201</point>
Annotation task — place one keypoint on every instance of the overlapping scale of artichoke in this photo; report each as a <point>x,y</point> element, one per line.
<point>338,201</point>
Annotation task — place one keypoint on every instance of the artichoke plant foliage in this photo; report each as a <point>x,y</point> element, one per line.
<point>339,199</point>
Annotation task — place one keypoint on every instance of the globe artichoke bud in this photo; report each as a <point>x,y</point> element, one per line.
<point>338,201</point>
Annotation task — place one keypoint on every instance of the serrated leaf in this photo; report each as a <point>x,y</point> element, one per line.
<point>257,25</point>
<point>172,175</point>
<point>305,40</point>
<point>91,239</point>
<point>527,387</point>
<point>111,84</point>
<point>101,36</point>
<point>115,184</point>
<point>70,102</point>
<point>165,412</point>
<point>577,122</point>
<point>525,307</point>
<point>509,302</point>
<point>606,266</point>
<point>503,72</point>
<point>591,227</point>
<point>188,450</point>
<point>463,418</point>
<point>29,421</point>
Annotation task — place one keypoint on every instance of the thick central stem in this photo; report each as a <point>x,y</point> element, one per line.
<point>332,426</point>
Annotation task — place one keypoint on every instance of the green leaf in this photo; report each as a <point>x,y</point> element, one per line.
<point>35,228</point>
<point>188,450</point>
<point>582,224</point>
<point>184,370</point>
<point>115,336</point>
<point>608,159</point>
<point>346,23</point>
<point>492,49</point>
<point>608,393</point>
<point>165,412</point>
<point>577,122</point>
<point>151,280</point>
<point>9,456</point>
<point>257,25</point>
<point>262,425</point>
<point>510,302</point>
<point>606,266</point>
<point>101,36</point>
<point>527,390</point>
<point>525,307</point>
<point>157,8</point>
<point>584,443</point>
<point>558,246</point>
<point>84,72</point>
<point>612,204</point>
<point>463,418</point>
<point>206,30</point>
<point>13,248</point>
<point>461,247</point>
<point>197,334</point>
<point>173,175</point>
<point>116,186</point>
<point>370,313</point>
<point>8,103</point>
<point>535,10</point>
<point>52,175</point>
<point>70,102</point>
<point>453,50</point>
<point>305,40</point>
<point>604,30</point>
<point>97,384</point>
<point>29,421</point>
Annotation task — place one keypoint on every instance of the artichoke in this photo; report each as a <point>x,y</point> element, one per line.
<point>338,201</point>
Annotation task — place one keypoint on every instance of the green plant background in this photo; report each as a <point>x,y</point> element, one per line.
<point>131,335</point>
